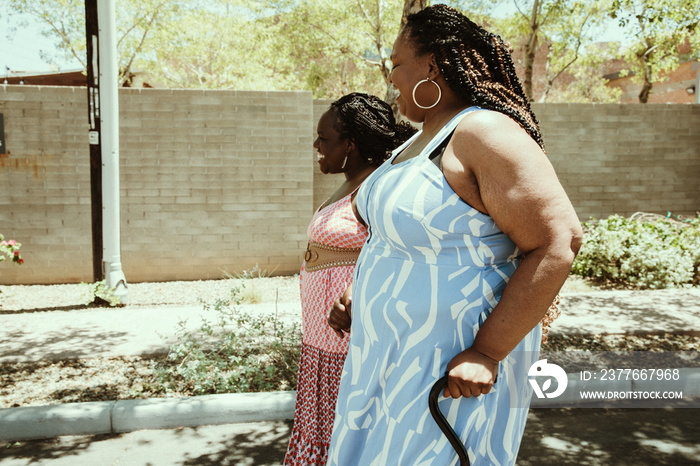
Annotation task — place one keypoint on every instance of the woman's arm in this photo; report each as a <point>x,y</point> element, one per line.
<point>495,166</point>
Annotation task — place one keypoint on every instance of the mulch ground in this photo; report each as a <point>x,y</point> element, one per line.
<point>125,378</point>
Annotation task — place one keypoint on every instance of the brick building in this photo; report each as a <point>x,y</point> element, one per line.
<point>680,86</point>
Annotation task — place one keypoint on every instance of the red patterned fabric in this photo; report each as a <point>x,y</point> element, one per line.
<point>322,352</point>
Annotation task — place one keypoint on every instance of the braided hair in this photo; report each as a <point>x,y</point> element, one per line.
<point>369,122</point>
<point>476,64</point>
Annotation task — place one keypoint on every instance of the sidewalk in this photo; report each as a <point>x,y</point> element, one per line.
<point>97,332</point>
<point>143,330</point>
<point>553,437</point>
<point>138,330</point>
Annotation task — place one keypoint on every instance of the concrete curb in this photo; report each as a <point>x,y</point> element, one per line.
<point>105,417</point>
<point>55,420</point>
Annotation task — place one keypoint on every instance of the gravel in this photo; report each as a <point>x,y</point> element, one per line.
<point>32,298</point>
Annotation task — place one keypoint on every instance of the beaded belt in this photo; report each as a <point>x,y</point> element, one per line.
<point>319,256</point>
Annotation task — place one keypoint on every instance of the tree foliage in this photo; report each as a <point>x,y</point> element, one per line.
<point>341,46</point>
<point>564,31</point>
<point>585,82</point>
<point>136,21</point>
<point>332,48</point>
<point>657,29</point>
<point>219,44</point>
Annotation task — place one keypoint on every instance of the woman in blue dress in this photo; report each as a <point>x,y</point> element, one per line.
<point>471,236</point>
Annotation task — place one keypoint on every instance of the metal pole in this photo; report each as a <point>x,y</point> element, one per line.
<point>93,88</point>
<point>109,116</point>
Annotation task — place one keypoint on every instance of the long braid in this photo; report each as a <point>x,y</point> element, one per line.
<point>478,66</point>
<point>370,122</point>
<point>475,63</point>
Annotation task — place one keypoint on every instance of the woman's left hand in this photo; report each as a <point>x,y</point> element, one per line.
<point>470,373</point>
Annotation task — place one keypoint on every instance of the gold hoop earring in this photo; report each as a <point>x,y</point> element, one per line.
<point>416,87</point>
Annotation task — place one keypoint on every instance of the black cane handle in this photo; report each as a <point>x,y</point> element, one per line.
<point>445,426</point>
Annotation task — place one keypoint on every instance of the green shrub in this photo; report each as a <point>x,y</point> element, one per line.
<point>641,253</point>
<point>98,294</point>
<point>237,353</point>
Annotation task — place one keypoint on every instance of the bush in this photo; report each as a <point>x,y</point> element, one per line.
<point>238,353</point>
<point>644,251</point>
<point>98,294</point>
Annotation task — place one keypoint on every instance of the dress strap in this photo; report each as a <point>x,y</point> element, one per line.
<point>446,132</point>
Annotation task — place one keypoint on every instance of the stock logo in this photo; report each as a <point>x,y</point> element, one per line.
<point>542,369</point>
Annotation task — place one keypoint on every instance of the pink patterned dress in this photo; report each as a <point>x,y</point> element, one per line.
<point>322,351</point>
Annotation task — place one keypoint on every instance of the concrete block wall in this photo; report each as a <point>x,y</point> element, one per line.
<point>211,182</point>
<point>214,182</point>
<point>45,184</point>
<point>222,181</point>
<point>622,159</point>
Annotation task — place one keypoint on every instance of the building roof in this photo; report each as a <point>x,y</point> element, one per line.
<point>48,78</point>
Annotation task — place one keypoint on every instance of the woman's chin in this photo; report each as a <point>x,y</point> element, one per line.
<point>413,118</point>
<point>405,113</point>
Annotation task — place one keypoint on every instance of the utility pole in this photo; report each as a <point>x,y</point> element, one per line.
<point>103,112</point>
<point>93,87</point>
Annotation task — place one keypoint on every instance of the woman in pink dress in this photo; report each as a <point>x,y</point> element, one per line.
<point>355,136</point>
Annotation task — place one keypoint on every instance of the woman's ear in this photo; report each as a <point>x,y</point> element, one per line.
<point>433,70</point>
<point>351,145</point>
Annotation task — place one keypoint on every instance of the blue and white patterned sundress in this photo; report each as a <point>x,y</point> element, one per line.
<point>428,276</point>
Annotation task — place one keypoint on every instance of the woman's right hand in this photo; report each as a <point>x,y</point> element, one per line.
<point>340,316</point>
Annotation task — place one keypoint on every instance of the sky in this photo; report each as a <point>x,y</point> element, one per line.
<point>21,51</point>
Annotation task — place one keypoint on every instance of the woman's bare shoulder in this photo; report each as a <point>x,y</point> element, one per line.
<point>492,134</point>
<point>483,125</point>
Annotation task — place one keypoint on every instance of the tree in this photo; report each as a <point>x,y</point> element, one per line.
<point>337,47</point>
<point>221,44</point>
<point>136,19</point>
<point>568,39</point>
<point>585,83</point>
<point>562,29</point>
<point>658,28</point>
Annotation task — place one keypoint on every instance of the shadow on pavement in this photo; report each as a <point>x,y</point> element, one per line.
<point>250,448</point>
<point>45,450</point>
<point>610,437</point>
<point>263,444</point>
<point>75,307</point>
<point>57,345</point>
<point>605,436</point>
<point>632,311</point>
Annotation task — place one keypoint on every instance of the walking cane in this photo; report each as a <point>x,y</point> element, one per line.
<point>446,428</point>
